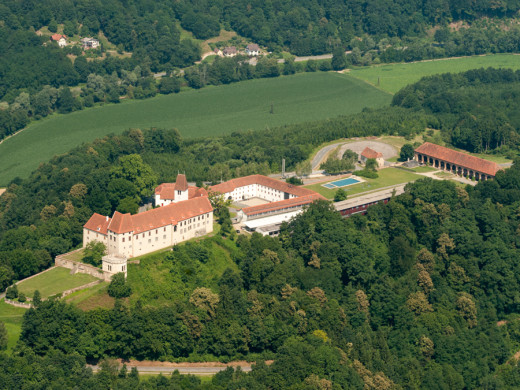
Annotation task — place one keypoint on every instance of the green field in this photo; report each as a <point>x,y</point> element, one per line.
<point>53,282</point>
<point>387,177</point>
<point>12,318</point>
<point>209,111</point>
<point>393,77</point>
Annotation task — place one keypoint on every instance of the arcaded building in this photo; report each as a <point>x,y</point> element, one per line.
<point>459,163</point>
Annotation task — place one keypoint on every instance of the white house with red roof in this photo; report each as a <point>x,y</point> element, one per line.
<point>61,39</point>
<point>368,153</point>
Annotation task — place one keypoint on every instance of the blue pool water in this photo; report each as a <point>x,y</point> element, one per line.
<point>341,183</point>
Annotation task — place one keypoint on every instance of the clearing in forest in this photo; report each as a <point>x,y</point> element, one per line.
<point>248,105</point>
<point>392,77</point>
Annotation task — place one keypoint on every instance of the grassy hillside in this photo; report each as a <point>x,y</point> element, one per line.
<point>393,77</point>
<point>12,318</point>
<point>165,277</point>
<point>209,111</point>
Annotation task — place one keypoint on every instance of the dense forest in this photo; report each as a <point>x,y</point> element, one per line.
<point>408,295</point>
<point>477,110</point>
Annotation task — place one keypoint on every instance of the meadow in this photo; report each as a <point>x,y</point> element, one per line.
<point>392,77</point>
<point>254,104</point>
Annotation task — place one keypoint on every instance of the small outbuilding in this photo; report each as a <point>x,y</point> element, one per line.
<point>368,153</point>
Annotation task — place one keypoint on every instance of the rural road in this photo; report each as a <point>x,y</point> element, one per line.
<point>319,157</point>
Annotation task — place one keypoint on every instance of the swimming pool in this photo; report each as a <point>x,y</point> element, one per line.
<point>341,183</point>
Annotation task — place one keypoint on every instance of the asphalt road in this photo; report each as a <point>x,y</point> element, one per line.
<point>317,159</point>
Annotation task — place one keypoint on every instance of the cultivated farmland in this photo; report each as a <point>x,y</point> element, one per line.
<point>393,77</point>
<point>254,104</point>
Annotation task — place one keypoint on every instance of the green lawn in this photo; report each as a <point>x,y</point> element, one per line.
<point>12,318</point>
<point>53,282</point>
<point>424,169</point>
<point>393,77</point>
<point>387,177</point>
<point>81,296</point>
<point>205,112</point>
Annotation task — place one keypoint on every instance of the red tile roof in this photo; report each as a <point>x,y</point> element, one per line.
<point>159,217</point>
<point>282,204</point>
<point>166,191</point>
<point>98,223</point>
<point>121,223</point>
<point>371,153</point>
<point>181,184</point>
<point>230,185</point>
<point>458,158</point>
<point>57,37</point>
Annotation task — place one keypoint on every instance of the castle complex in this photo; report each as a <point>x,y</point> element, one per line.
<point>183,212</point>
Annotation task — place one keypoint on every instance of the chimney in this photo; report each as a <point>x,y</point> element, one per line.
<point>106,218</point>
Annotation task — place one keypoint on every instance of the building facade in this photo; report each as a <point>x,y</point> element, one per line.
<point>282,197</point>
<point>458,163</point>
<point>368,153</point>
<point>126,235</point>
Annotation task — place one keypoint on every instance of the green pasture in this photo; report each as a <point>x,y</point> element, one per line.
<point>12,318</point>
<point>387,177</point>
<point>392,77</point>
<point>205,112</point>
<point>54,282</point>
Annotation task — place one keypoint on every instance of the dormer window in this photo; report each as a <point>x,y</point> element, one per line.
<point>179,192</point>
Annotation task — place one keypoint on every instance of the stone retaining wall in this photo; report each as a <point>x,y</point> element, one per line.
<point>68,292</point>
<point>82,268</point>
<point>18,304</point>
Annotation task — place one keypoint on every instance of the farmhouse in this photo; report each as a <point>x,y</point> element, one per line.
<point>458,163</point>
<point>167,193</point>
<point>61,39</point>
<point>218,52</point>
<point>89,43</point>
<point>368,153</point>
<point>127,235</point>
<point>229,51</point>
<point>279,197</point>
<point>252,49</point>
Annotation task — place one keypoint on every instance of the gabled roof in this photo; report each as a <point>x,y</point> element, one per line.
<point>98,223</point>
<point>371,153</point>
<point>282,204</point>
<point>159,217</point>
<point>230,185</point>
<point>459,158</point>
<point>230,50</point>
<point>253,47</point>
<point>57,37</point>
<point>121,223</point>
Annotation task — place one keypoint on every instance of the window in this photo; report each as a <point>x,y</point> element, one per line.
<point>164,237</point>
<point>164,229</point>
<point>175,228</point>
<point>123,239</point>
<point>149,240</point>
<point>130,238</point>
<point>156,238</point>
<point>149,234</point>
